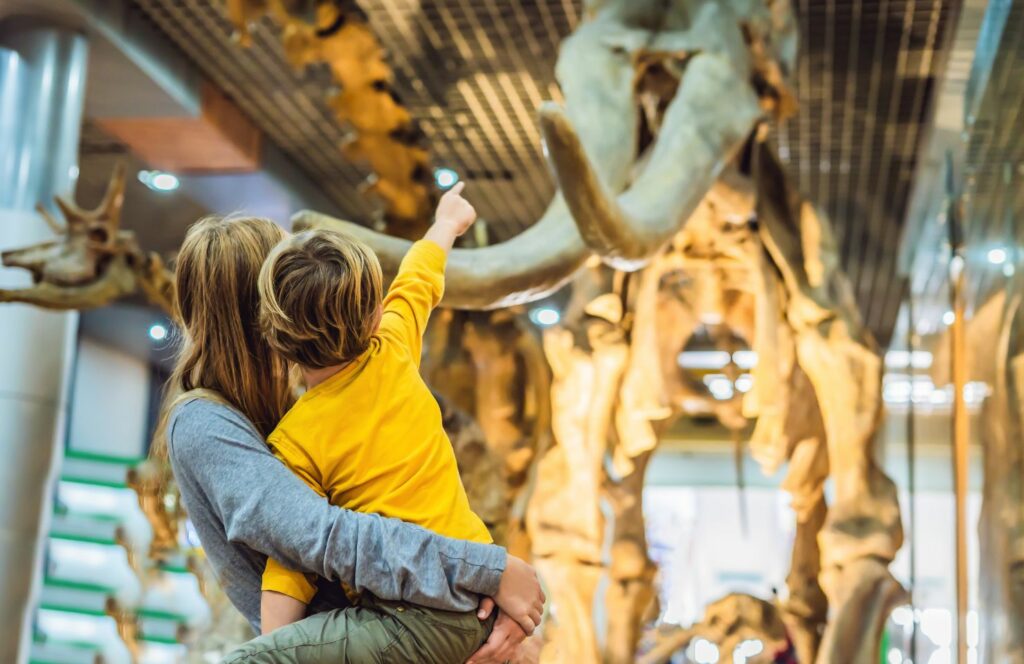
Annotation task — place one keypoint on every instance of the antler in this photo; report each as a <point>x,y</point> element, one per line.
<point>107,213</point>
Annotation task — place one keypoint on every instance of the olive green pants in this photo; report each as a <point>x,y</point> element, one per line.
<point>374,632</point>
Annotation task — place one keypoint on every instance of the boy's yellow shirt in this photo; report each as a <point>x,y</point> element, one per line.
<point>370,438</point>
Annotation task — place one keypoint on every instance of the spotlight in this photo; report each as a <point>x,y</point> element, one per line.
<point>705,652</point>
<point>997,256</point>
<point>948,318</point>
<point>703,359</point>
<point>159,180</point>
<point>545,316</point>
<point>744,384</point>
<point>157,332</point>
<point>445,178</point>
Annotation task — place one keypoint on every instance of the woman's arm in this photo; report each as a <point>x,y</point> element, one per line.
<point>263,505</point>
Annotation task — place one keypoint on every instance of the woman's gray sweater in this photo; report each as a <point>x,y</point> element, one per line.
<point>246,505</point>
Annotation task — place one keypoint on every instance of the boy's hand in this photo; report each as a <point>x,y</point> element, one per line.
<point>519,594</point>
<point>454,211</point>
<point>454,216</point>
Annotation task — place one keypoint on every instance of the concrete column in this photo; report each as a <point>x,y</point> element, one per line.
<point>42,85</point>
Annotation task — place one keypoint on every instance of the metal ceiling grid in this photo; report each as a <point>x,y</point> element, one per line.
<point>994,165</point>
<point>864,81</point>
<point>474,71</point>
<point>288,105</point>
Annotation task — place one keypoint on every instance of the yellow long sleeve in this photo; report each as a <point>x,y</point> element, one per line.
<point>416,290</point>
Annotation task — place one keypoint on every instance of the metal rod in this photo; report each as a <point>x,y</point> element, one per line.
<point>960,448</point>
<point>911,469</point>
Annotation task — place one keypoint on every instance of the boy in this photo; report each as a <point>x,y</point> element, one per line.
<point>367,434</point>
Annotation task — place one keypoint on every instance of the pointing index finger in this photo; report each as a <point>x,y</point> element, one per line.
<point>457,189</point>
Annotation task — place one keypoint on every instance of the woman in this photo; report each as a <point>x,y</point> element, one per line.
<point>246,505</point>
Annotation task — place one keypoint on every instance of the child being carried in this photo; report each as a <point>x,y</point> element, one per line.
<point>367,434</point>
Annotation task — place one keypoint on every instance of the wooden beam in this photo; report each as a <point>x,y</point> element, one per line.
<point>220,139</point>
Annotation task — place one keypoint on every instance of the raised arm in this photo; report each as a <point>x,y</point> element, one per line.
<point>265,506</point>
<point>419,284</point>
<point>414,293</point>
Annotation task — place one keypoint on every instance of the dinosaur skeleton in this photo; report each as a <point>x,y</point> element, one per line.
<point>996,358</point>
<point>727,622</point>
<point>385,136</point>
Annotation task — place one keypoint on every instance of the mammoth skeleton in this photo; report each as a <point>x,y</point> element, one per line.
<point>663,170</point>
<point>623,201</point>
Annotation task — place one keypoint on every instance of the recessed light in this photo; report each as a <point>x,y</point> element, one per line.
<point>445,178</point>
<point>545,316</point>
<point>159,180</point>
<point>157,332</point>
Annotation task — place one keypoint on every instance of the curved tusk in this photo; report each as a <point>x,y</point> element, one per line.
<point>699,136</point>
<point>522,269</point>
<point>694,145</point>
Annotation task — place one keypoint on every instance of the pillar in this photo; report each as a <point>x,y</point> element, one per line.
<point>42,87</point>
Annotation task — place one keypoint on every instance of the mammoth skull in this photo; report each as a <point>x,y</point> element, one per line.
<point>619,198</point>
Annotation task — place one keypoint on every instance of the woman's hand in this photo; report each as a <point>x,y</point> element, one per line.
<point>505,638</point>
<point>519,594</point>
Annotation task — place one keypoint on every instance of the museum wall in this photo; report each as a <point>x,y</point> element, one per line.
<point>110,399</point>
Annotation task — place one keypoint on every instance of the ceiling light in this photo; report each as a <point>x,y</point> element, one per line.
<point>445,178</point>
<point>997,256</point>
<point>705,652</point>
<point>703,359</point>
<point>721,387</point>
<point>948,318</point>
<point>159,180</point>
<point>545,316</point>
<point>745,359</point>
<point>901,359</point>
<point>158,332</point>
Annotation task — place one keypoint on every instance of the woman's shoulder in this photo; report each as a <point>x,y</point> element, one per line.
<point>195,420</point>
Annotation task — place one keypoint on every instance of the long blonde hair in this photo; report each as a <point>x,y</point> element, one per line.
<point>223,355</point>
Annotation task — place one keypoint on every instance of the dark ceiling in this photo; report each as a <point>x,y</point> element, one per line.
<point>474,71</point>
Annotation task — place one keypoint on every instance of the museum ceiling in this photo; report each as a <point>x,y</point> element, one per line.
<point>473,71</point>
<point>993,164</point>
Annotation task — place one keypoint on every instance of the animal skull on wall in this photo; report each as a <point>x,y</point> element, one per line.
<point>93,263</point>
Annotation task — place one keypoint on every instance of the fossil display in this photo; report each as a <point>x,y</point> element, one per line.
<point>673,218</point>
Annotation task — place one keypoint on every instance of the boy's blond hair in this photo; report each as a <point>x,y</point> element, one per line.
<point>320,298</point>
